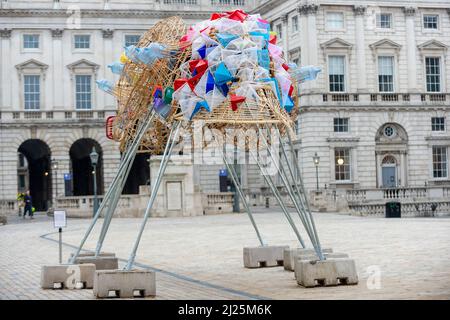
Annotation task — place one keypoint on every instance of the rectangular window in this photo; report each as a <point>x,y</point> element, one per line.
<point>386,74</point>
<point>439,162</point>
<point>279,31</point>
<point>437,124</point>
<point>430,21</point>
<point>21,181</point>
<point>294,24</point>
<point>32,92</point>
<point>31,41</point>
<point>335,20</point>
<point>340,124</point>
<point>384,21</point>
<point>82,41</point>
<point>336,73</point>
<point>131,39</point>
<point>433,74</point>
<point>83,92</point>
<point>342,164</point>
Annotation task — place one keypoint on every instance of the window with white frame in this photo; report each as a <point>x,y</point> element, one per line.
<point>384,20</point>
<point>82,41</point>
<point>438,124</point>
<point>431,21</point>
<point>83,91</point>
<point>386,74</point>
<point>433,74</point>
<point>340,124</point>
<point>294,24</point>
<point>279,31</point>
<point>335,20</point>
<point>131,39</point>
<point>31,41</point>
<point>32,92</point>
<point>440,162</point>
<point>336,73</point>
<point>342,164</point>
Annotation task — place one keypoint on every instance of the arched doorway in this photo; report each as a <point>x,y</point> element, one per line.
<point>33,170</point>
<point>391,151</point>
<point>81,166</point>
<point>139,174</point>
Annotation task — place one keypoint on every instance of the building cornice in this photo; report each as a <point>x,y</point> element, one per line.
<point>103,13</point>
<point>379,108</point>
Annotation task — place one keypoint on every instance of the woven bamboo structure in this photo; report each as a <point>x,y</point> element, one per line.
<point>135,87</point>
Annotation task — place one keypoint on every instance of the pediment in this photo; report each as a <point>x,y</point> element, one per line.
<point>31,64</point>
<point>83,64</point>
<point>385,44</point>
<point>432,45</point>
<point>336,43</point>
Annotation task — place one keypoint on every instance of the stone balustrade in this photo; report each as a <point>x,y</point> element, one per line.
<point>54,115</point>
<point>218,202</point>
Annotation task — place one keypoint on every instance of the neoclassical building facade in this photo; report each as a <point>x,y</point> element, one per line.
<point>376,118</point>
<point>378,115</point>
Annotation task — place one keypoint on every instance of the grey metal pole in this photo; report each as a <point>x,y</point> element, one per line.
<point>95,190</point>
<point>162,168</point>
<point>136,141</point>
<point>60,245</point>
<point>302,188</point>
<point>280,201</point>
<point>317,177</point>
<point>244,200</point>
<point>127,162</point>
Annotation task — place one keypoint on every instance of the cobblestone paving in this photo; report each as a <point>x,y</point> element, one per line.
<point>201,257</point>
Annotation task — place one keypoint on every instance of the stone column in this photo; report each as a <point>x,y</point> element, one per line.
<point>107,59</point>
<point>312,33</point>
<point>360,48</point>
<point>57,67</point>
<point>411,49</point>
<point>284,20</point>
<point>303,22</point>
<point>5,69</point>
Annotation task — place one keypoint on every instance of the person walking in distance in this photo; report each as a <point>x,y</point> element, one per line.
<point>28,205</point>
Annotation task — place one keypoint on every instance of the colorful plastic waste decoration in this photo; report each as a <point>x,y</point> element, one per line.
<point>232,54</point>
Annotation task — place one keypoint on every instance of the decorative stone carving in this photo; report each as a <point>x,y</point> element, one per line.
<point>5,33</point>
<point>57,33</point>
<point>107,33</point>
<point>359,10</point>
<point>409,11</point>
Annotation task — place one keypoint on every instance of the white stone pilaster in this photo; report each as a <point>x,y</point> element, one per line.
<point>360,48</point>
<point>411,49</point>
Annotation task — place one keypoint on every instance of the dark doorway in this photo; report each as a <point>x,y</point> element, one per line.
<point>37,154</point>
<point>83,180</point>
<point>139,174</point>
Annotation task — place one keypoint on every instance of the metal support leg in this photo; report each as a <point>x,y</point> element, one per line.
<point>242,195</point>
<point>280,201</point>
<point>162,168</point>
<point>106,199</point>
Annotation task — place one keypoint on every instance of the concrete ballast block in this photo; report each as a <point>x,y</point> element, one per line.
<point>70,276</point>
<point>124,283</point>
<point>265,256</point>
<point>101,262</point>
<point>314,257</point>
<point>330,272</point>
<point>290,255</point>
<point>91,254</point>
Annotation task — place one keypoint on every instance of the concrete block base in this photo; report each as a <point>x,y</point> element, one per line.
<point>91,254</point>
<point>330,272</point>
<point>68,276</point>
<point>124,283</point>
<point>267,256</point>
<point>101,262</point>
<point>290,255</point>
<point>314,257</point>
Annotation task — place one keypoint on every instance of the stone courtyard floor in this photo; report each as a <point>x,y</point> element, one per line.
<point>201,257</point>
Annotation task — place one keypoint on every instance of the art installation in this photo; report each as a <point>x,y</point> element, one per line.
<point>229,74</point>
